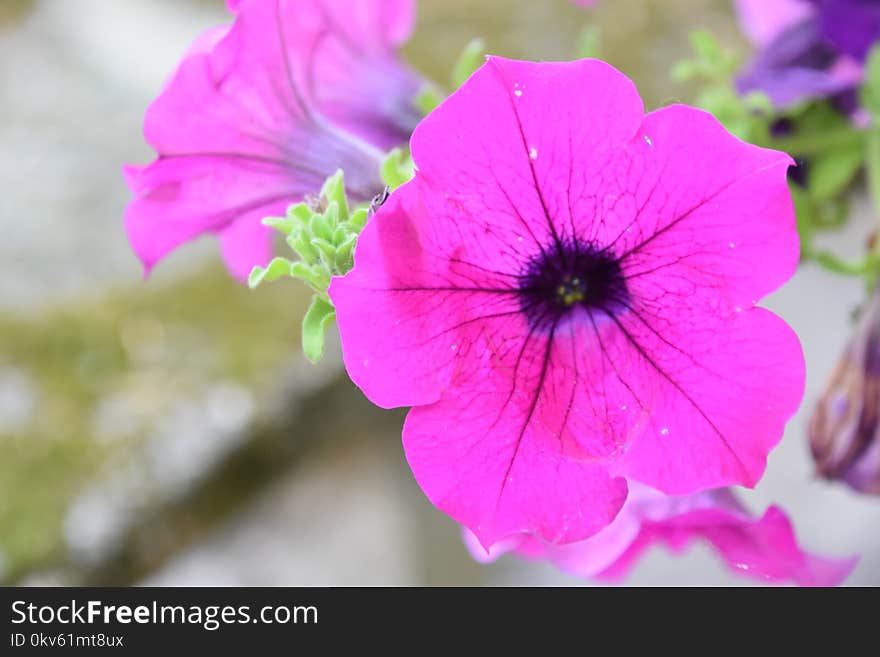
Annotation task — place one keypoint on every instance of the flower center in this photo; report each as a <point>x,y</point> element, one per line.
<point>578,278</point>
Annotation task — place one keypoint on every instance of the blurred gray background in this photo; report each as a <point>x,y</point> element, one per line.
<point>169,432</point>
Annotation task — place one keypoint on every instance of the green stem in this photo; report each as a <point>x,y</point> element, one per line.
<point>817,143</point>
<point>872,165</point>
<point>867,266</point>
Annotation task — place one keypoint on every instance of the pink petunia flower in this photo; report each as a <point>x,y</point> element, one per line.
<point>764,548</point>
<point>565,293</point>
<point>258,114</point>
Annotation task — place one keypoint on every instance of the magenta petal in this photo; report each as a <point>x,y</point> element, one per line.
<point>178,199</point>
<point>726,390</point>
<point>358,80</point>
<point>342,57</point>
<point>565,292</point>
<point>245,243</point>
<point>764,549</point>
<point>499,184</point>
<point>409,314</point>
<point>475,462</point>
<point>715,224</point>
<point>239,134</point>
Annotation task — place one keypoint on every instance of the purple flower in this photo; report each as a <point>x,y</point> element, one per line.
<point>808,48</point>
<point>258,114</point>
<point>845,427</point>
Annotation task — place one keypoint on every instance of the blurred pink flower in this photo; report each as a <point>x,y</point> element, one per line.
<point>258,114</point>
<point>566,293</point>
<point>764,548</point>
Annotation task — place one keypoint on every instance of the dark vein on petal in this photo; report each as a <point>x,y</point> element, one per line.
<point>531,163</point>
<point>638,347</point>
<point>467,322</point>
<point>499,290</point>
<point>544,367</point>
<point>638,213</point>
<point>667,342</point>
<point>689,212</point>
<point>518,214</point>
<point>495,272</point>
<point>307,111</point>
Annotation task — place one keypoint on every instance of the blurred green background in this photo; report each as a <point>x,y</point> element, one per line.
<point>168,430</point>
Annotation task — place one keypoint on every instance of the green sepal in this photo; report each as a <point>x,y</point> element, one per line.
<point>427,98</point>
<point>286,224</point>
<point>320,227</point>
<point>357,220</point>
<point>334,191</point>
<point>397,168</point>
<point>276,269</point>
<point>323,231</point>
<point>299,242</point>
<point>313,275</point>
<point>317,318</point>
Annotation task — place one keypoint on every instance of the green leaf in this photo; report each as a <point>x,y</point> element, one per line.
<point>277,268</point>
<point>831,172</point>
<point>831,213</point>
<point>427,98</point>
<point>866,267</point>
<point>870,92</point>
<point>470,59</point>
<point>872,163</point>
<point>589,42</point>
<point>712,59</point>
<point>318,316</point>
<point>704,45</point>
<point>804,215</point>
<point>685,70</point>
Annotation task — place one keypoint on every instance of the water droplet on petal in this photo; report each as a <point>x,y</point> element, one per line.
<point>517,92</point>
<point>454,347</point>
<point>732,245</point>
<point>648,141</point>
<point>664,431</point>
<point>533,153</point>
